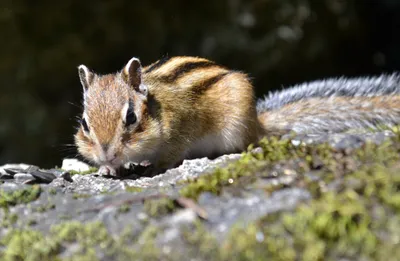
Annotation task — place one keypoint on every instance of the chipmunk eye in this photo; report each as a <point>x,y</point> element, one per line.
<point>84,125</point>
<point>130,115</point>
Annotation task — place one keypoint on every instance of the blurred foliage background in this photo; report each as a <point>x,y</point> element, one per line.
<point>278,42</point>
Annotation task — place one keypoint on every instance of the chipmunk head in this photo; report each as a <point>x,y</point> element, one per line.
<point>113,121</point>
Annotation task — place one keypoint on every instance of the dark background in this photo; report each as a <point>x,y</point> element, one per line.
<point>278,42</point>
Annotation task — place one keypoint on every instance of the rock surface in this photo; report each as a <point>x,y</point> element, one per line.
<point>137,206</point>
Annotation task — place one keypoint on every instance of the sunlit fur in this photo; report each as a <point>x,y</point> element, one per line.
<point>333,105</point>
<point>194,108</point>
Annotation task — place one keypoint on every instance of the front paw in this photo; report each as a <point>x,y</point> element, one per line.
<point>107,171</point>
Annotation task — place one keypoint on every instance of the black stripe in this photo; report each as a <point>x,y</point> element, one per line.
<point>205,85</point>
<point>157,64</point>
<point>185,68</point>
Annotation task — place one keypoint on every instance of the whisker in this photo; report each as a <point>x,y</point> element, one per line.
<point>68,145</point>
<point>75,105</point>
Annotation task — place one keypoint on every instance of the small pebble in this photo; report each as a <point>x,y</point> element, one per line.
<point>296,142</point>
<point>22,167</point>
<point>260,236</point>
<point>45,177</point>
<point>74,164</point>
<point>142,216</point>
<point>5,175</point>
<point>257,150</point>
<point>66,176</point>
<point>13,171</point>
<point>23,177</point>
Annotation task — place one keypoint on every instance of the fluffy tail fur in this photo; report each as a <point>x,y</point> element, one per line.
<point>332,105</point>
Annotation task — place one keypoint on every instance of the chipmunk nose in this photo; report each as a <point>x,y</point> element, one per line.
<point>111,158</point>
<point>108,155</point>
<point>105,146</point>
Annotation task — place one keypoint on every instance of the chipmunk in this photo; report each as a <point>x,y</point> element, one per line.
<point>175,108</point>
<point>189,107</point>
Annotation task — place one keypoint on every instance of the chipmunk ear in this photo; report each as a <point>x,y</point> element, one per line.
<point>86,76</point>
<point>132,75</point>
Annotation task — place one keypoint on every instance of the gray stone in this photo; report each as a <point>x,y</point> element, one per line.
<point>87,198</point>
<point>8,171</point>
<point>23,167</point>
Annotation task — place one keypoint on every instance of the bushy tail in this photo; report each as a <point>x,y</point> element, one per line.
<point>333,105</point>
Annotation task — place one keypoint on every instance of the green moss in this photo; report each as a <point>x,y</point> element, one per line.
<point>339,224</point>
<point>159,207</point>
<point>355,211</point>
<point>199,242</point>
<point>27,245</point>
<point>80,195</point>
<point>133,189</point>
<point>359,218</point>
<point>8,219</point>
<point>309,235</point>
<point>106,191</point>
<point>147,248</point>
<point>20,196</point>
<point>45,207</point>
<point>32,245</point>
<point>52,191</point>
<point>13,218</point>
<point>253,164</point>
<point>91,170</point>
<point>253,243</point>
<point>303,158</point>
<point>31,222</point>
<point>88,234</point>
<point>124,208</point>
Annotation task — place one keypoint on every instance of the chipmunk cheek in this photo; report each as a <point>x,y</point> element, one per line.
<point>85,146</point>
<point>96,158</point>
<point>118,152</point>
<point>89,143</point>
